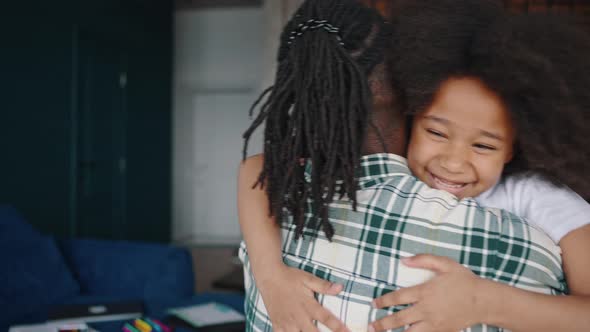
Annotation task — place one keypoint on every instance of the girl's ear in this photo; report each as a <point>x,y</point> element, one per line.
<point>510,154</point>
<point>509,157</point>
<point>514,147</point>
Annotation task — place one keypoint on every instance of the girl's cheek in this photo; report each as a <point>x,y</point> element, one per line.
<point>492,170</point>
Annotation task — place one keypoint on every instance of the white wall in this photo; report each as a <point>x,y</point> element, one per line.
<point>217,76</point>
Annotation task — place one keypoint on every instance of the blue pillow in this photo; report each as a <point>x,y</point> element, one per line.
<point>33,274</point>
<point>13,228</point>
<point>132,269</point>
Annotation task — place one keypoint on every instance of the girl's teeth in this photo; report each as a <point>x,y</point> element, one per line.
<point>447,184</point>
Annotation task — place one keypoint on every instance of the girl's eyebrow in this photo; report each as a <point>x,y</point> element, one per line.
<point>491,135</point>
<point>485,133</point>
<point>437,119</point>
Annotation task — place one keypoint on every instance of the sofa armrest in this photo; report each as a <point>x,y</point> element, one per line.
<point>130,269</point>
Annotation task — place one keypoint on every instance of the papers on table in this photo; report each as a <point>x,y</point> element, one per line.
<point>208,314</point>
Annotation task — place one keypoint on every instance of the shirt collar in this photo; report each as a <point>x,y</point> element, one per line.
<point>375,167</point>
<point>378,166</point>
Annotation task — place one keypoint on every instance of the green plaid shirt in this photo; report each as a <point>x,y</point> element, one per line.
<point>398,216</point>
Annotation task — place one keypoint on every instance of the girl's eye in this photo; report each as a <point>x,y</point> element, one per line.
<point>484,147</point>
<point>436,133</point>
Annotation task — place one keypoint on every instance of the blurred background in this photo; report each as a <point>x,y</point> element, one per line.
<point>122,119</point>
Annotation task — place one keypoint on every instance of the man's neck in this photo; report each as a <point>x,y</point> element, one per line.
<point>386,131</point>
<point>390,140</point>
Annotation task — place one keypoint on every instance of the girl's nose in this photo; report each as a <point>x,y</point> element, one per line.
<point>454,160</point>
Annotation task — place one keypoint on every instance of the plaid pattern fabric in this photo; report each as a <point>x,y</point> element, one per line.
<point>398,216</point>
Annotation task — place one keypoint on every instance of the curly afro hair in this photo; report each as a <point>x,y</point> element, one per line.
<point>536,63</point>
<point>539,65</point>
<point>430,43</point>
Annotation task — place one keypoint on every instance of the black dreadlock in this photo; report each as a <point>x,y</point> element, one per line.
<point>538,65</point>
<point>318,108</point>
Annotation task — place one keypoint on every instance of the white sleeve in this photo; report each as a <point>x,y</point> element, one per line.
<point>556,210</point>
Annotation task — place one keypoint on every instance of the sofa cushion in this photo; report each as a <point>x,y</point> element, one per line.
<point>14,229</point>
<point>130,269</point>
<point>33,273</point>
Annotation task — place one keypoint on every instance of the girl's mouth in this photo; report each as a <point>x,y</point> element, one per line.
<point>452,187</point>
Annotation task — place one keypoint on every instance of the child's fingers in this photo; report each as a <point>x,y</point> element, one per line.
<point>400,319</point>
<point>438,264</point>
<point>398,297</point>
<point>419,327</point>
<point>319,285</point>
<point>324,316</point>
<point>306,325</point>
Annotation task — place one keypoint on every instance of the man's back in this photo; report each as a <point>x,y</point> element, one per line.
<point>398,216</point>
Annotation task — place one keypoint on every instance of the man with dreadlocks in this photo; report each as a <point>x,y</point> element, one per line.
<point>348,208</point>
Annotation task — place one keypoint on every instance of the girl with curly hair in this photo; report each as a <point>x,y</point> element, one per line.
<point>501,117</point>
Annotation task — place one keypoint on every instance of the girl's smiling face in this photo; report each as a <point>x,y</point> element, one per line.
<point>461,143</point>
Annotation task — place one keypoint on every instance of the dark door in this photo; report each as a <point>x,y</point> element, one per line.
<point>101,197</point>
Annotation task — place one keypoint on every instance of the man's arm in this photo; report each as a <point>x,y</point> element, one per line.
<point>288,293</point>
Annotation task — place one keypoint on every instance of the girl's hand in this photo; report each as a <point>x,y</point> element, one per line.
<point>290,302</point>
<point>447,302</point>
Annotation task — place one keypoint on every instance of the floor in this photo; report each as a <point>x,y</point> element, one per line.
<point>217,269</point>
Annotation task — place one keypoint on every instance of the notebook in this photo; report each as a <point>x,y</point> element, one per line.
<point>209,315</point>
<point>96,312</point>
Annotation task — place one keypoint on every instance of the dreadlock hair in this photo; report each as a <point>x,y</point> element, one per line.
<point>431,42</point>
<point>538,65</point>
<point>318,108</point>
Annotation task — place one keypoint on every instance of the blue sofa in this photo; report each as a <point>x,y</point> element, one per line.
<point>39,273</point>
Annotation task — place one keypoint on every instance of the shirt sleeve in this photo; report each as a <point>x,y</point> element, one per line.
<point>555,210</point>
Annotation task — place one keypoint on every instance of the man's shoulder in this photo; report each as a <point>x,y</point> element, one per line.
<point>392,193</point>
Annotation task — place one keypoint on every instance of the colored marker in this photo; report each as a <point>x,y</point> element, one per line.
<point>142,326</point>
<point>153,324</point>
<point>164,327</point>
<point>129,328</point>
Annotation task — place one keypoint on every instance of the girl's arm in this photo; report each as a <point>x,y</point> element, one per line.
<point>288,293</point>
<point>456,298</point>
<point>534,312</point>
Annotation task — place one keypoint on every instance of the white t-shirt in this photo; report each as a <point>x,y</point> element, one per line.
<point>555,210</point>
